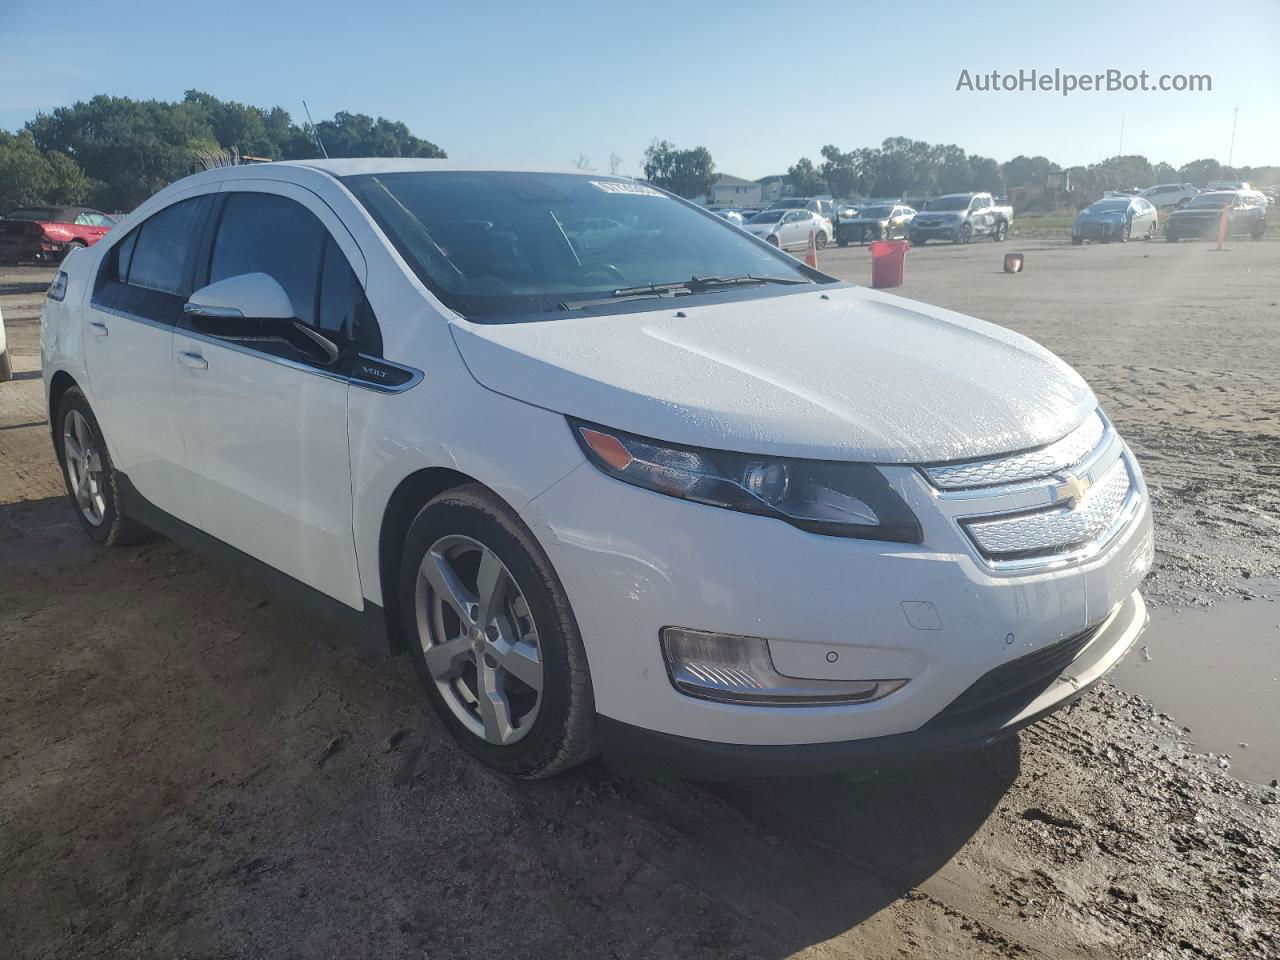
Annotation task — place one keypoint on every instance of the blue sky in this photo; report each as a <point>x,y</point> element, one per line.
<point>759,84</point>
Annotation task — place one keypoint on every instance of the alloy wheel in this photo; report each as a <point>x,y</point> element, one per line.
<point>479,640</point>
<point>84,467</point>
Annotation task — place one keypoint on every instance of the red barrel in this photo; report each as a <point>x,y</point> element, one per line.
<point>888,258</point>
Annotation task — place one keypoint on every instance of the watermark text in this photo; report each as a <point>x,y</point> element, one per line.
<point>1060,81</point>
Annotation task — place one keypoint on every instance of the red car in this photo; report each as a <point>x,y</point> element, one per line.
<point>50,233</point>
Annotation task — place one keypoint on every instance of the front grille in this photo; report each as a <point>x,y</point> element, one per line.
<point>1007,689</point>
<point>1058,528</point>
<point>1064,453</point>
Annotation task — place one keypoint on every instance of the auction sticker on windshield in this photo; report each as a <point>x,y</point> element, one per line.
<point>634,189</point>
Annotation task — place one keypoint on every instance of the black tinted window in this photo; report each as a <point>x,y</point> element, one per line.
<point>340,293</point>
<point>265,233</point>
<point>123,255</point>
<point>163,255</point>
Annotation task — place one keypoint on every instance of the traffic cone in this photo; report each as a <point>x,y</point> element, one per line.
<point>811,255</point>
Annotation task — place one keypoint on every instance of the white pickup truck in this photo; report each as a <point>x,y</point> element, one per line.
<point>959,217</point>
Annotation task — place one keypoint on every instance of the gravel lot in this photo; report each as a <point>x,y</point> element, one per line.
<point>189,767</point>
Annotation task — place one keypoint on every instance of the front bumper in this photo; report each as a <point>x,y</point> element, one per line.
<point>642,751</point>
<point>944,231</point>
<point>1097,229</point>
<point>633,562</point>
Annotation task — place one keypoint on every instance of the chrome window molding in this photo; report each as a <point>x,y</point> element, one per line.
<point>415,375</point>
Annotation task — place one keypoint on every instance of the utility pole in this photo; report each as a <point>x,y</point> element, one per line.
<point>1120,152</point>
<point>1231,152</point>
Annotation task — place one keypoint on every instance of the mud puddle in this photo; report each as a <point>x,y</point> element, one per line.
<point>1217,671</point>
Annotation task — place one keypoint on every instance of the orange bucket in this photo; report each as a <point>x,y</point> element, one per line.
<point>888,260</point>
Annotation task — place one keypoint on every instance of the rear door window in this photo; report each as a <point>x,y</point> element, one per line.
<point>150,273</point>
<point>164,254</point>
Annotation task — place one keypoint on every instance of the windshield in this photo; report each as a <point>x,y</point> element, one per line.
<point>1212,200</point>
<point>769,216</point>
<point>875,213</point>
<point>1109,206</point>
<point>493,245</point>
<point>949,203</point>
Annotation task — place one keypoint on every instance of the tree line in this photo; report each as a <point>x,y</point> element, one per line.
<point>901,167</point>
<point>114,152</point>
<point>904,167</point>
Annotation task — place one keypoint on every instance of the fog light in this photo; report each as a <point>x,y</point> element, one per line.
<point>731,669</point>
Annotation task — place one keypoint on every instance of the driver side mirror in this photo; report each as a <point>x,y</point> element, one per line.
<point>254,308</point>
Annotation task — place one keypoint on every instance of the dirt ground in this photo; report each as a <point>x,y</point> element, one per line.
<point>190,768</point>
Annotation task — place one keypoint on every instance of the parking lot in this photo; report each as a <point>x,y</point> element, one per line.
<point>189,767</point>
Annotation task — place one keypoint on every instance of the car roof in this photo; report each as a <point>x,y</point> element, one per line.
<point>354,166</point>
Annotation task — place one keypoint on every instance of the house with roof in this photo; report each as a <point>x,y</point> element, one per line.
<point>728,191</point>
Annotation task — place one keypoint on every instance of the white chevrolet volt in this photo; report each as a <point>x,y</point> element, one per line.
<point>669,495</point>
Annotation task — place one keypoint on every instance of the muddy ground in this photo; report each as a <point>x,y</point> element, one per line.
<point>191,768</point>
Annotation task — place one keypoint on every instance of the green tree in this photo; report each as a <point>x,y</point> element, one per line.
<point>1023,171</point>
<point>841,170</point>
<point>1201,172</point>
<point>804,179</point>
<point>30,176</point>
<point>359,135</point>
<point>686,173</point>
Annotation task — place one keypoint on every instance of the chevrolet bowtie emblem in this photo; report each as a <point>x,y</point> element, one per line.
<point>1071,490</point>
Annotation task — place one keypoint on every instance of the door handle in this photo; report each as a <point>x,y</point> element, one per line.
<point>193,360</point>
<point>99,328</point>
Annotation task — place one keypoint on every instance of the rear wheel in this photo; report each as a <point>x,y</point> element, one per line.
<point>964,234</point>
<point>6,367</point>
<point>92,482</point>
<point>1258,229</point>
<point>493,638</point>
<point>820,240</point>
<point>842,241</point>
<point>772,239</point>
<point>1126,231</point>
<point>1002,231</point>
<point>72,247</point>
<point>1076,241</point>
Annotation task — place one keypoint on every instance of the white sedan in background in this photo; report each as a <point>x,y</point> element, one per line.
<point>790,228</point>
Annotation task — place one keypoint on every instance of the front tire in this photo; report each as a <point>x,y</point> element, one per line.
<point>493,638</point>
<point>964,234</point>
<point>91,480</point>
<point>1002,231</point>
<point>6,367</point>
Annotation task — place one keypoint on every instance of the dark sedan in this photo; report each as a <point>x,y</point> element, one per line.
<point>1202,217</point>
<point>882,222</point>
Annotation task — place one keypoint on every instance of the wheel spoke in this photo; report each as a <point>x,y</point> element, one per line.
<point>92,461</point>
<point>72,446</point>
<point>439,573</point>
<point>520,660</point>
<point>446,660</point>
<point>495,711</point>
<point>492,580</point>
<point>82,429</point>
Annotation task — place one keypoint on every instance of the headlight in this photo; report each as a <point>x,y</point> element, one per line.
<point>829,497</point>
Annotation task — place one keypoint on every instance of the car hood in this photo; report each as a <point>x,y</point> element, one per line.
<point>759,227</point>
<point>835,373</point>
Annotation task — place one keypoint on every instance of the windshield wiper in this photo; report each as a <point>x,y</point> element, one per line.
<point>745,278</point>
<point>653,291</point>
